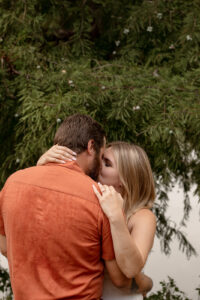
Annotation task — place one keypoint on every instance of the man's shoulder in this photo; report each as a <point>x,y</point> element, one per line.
<point>18,174</point>
<point>16,177</point>
<point>55,178</point>
<point>50,169</point>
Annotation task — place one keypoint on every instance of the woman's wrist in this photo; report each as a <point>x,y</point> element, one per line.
<point>116,216</point>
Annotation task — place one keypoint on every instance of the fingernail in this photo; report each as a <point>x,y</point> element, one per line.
<point>74,153</point>
<point>73,158</point>
<point>63,162</point>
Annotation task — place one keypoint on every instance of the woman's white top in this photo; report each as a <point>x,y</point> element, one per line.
<point>110,292</point>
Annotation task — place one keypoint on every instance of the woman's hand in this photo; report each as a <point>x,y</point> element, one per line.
<point>144,283</point>
<point>111,201</point>
<point>57,154</point>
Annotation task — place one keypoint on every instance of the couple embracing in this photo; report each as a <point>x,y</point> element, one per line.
<point>61,231</point>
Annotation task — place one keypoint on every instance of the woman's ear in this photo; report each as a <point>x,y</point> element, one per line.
<point>90,147</point>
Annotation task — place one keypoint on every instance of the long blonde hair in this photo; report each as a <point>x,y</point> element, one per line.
<point>135,175</point>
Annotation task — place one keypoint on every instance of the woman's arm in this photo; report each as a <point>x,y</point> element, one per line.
<point>57,154</point>
<point>131,245</point>
<point>3,246</point>
<point>127,253</point>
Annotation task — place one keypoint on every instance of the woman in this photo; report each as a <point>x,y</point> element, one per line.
<point>127,187</point>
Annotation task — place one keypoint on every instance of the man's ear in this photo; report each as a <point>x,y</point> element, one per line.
<point>90,147</point>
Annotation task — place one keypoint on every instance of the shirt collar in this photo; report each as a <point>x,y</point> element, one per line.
<point>69,165</point>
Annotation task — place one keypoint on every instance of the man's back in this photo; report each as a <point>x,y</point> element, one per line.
<point>56,233</point>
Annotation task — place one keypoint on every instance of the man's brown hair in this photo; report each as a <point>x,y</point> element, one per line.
<point>76,131</point>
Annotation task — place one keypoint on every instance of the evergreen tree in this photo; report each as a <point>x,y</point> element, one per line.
<point>134,66</point>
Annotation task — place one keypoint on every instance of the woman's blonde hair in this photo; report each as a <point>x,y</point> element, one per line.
<point>135,175</point>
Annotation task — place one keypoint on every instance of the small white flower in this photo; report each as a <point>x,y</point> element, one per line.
<point>62,59</point>
<point>155,73</point>
<point>70,82</point>
<point>63,71</point>
<point>164,160</point>
<point>17,160</point>
<point>38,67</point>
<point>136,107</point>
<point>117,43</point>
<point>114,53</point>
<point>172,46</point>
<point>16,115</point>
<point>159,15</point>
<point>188,38</point>
<point>171,131</point>
<point>58,120</point>
<point>126,30</point>
<point>149,28</point>
<point>1,39</point>
<point>103,87</point>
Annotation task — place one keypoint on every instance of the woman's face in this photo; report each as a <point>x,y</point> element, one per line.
<point>109,174</point>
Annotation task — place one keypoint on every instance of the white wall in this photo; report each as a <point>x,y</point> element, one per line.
<point>186,273</point>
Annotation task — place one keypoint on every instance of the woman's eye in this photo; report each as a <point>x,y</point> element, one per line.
<point>106,162</point>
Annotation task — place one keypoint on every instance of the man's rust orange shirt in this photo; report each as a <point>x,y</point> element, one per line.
<point>57,235</point>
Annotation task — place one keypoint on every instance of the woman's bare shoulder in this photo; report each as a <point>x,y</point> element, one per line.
<point>143,215</point>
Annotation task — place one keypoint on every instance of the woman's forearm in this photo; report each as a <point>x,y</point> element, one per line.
<point>127,254</point>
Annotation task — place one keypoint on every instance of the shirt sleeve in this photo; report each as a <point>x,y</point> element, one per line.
<point>107,250</point>
<point>2,230</point>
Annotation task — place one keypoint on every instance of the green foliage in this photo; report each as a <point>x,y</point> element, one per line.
<point>132,65</point>
<point>169,291</point>
<point>5,286</point>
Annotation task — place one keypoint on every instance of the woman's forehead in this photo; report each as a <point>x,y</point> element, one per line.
<point>108,153</point>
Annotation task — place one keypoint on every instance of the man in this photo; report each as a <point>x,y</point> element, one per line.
<point>57,235</point>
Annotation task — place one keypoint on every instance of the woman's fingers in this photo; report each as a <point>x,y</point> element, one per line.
<point>110,194</point>
<point>57,154</point>
<point>103,188</point>
<point>64,150</point>
<point>100,185</point>
<point>61,156</point>
<point>96,192</point>
<point>57,160</point>
<point>112,190</point>
<point>109,199</point>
